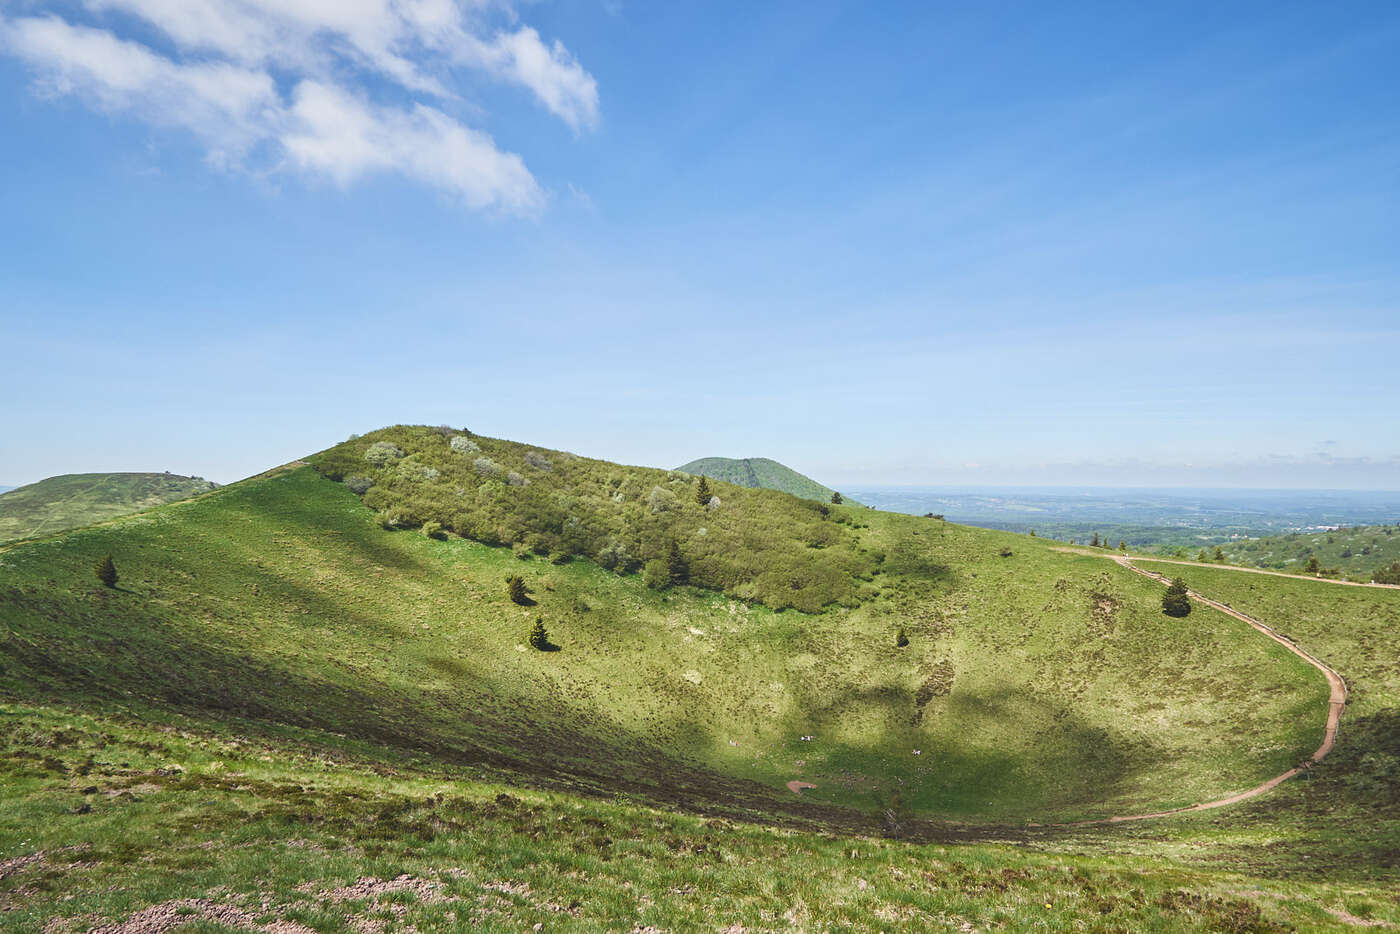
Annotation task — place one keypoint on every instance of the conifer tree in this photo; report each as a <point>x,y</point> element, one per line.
<point>901,639</point>
<point>677,570</point>
<point>1094,543</point>
<point>836,498</point>
<point>515,589</point>
<point>1314,566</point>
<point>107,572</point>
<point>1219,553</point>
<point>1122,545</point>
<point>702,492</point>
<point>539,638</point>
<point>1176,602</point>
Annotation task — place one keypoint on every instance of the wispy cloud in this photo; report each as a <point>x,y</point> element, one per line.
<point>292,79</point>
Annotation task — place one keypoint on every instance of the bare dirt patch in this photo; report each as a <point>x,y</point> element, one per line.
<point>168,916</point>
<point>9,867</point>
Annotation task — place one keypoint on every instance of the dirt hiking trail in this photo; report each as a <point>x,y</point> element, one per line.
<point>1336,703</point>
<point>1224,567</point>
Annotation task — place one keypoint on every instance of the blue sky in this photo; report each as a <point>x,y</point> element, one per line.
<point>997,243</point>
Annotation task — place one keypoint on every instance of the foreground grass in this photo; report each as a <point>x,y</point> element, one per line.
<point>109,816</point>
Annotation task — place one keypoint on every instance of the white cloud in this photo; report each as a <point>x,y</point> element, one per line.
<point>558,81</point>
<point>398,39</point>
<point>225,105</point>
<point>222,83</point>
<point>332,132</point>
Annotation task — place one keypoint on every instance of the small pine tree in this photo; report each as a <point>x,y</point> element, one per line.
<point>1122,546</point>
<point>836,498</point>
<point>1032,533</point>
<point>1314,566</point>
<point>515,589</point>
<point>702,492</point>
<point>1094,543</point>
<point>677,570</point>
<point>107,572</point>
<point>901,639</point>
<point>1176,602</point>
<point>1219,553</point>
<point>539,638</point>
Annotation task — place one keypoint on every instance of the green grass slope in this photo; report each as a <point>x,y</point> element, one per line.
<point>1361,552</point>
<point>1037,686</point>
<point>349,716</point>
<point>759,473</point>
<point>73,500</point>
<point>1345,819</point>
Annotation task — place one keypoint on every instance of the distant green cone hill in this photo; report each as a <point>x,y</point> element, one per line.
<point>759,473</point>
<point>74,500</point>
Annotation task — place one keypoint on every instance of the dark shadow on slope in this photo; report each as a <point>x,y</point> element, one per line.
<point>542,744</point>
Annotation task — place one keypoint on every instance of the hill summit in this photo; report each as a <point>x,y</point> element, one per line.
<point>759,473</point>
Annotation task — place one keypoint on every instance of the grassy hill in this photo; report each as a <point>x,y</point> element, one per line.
<point>758,473</point>
<point>74,500</point>
<point>1358,552</point>
<point>302,673</point>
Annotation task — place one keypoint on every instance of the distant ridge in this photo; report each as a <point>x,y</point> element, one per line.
<point>758,473</point>
<point>79,499</point>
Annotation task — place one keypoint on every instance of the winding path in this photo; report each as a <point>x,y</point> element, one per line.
<point>1236,567</point>
<point>1336,702</point>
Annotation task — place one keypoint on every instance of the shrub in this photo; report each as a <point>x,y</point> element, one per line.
<point>359,485</point>
<point>1175,601</point>
<point>655,575</point>
<point>1005,552</point>
<point>662,500</point>
<point>677,568</point>
<point>488,468</point>
<point>901,640</point>
<point>464,445</point>
<point>382,452</point>
<point>539,638</point>
<point>516,590</point>
<point>433,529</point>
<point>106,572</point>
<point>836,498</point>
<point>417,473</point>
<point>1389,575</point>
<point>538,461</point>
<point>613,556</point>
<point>515,479</point>
<point>398,517</point>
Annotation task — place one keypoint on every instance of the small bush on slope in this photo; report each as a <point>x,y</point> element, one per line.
<point>763,546</point>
